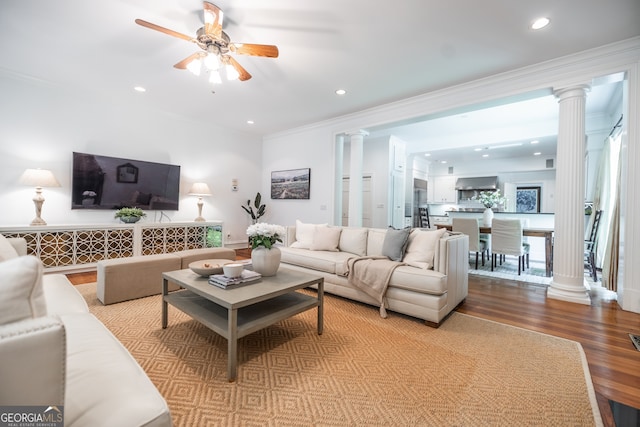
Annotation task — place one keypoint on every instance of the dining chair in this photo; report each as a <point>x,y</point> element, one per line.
<point>506,239</point>
<point>590,246</point>
<point>471,227</point>
<point>424,217</point>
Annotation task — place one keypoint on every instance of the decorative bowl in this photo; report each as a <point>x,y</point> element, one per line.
<point>232,270</point>
<point>207,267</point>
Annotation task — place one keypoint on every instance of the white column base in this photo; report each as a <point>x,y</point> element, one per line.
<point>576,294</point>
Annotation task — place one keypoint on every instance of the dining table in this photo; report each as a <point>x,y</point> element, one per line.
<point>546,233</point>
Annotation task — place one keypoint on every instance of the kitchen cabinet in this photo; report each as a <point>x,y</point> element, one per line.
<point>442,189</point>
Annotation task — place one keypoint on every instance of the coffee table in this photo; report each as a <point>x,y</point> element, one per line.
<point>237,312</point>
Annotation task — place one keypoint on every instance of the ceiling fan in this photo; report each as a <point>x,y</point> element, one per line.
<point>216,47</point>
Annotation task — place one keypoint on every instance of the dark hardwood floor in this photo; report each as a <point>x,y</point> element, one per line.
<point>602,328</point>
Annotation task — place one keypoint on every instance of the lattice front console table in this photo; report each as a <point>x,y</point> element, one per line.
<point>80,247</point>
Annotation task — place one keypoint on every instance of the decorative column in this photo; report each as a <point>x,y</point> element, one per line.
<point>355,178</point>
<point>568,281</point>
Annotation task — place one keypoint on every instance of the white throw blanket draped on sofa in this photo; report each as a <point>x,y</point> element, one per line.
<point>371,274</point>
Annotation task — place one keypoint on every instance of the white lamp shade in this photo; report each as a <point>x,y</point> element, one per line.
<point>39,178</point>
<point>199,189</point>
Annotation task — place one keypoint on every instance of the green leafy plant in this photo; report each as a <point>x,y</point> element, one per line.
<point>260,208</point>
<point>130,212</point>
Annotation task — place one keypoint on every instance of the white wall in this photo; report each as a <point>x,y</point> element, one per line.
<point>41,125</point>
<point>312,150</point>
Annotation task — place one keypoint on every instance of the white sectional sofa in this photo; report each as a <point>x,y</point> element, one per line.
<point>55,353</point>
<point>432,281</point>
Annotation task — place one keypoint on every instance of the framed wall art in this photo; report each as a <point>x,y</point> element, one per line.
<point>528,199</point>
<point>291,184</point>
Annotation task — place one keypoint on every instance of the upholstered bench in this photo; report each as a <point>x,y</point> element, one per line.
<point>122,279</point>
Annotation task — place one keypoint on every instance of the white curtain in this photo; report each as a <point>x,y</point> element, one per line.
<point>607,199</point>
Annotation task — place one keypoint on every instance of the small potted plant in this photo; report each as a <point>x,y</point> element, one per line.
<point>260,208</point>
<point>130,215</point>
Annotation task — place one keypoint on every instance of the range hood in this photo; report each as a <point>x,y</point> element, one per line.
<point>480,183</point>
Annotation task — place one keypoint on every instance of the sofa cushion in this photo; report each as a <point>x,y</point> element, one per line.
<point>418,280</point>
<point>375,239</point>
<point>422,247</point>
<point>304,234</point>
<point>353,240</point>
<point>316,260</point>
<point>102,375</point>
<point>326,239</point>
<point>21,294</point>
<point>395,243</point>
<point>61,296</point>
<point>7,251</point>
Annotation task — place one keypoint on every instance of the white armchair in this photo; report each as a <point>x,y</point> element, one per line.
<point>55,353</point>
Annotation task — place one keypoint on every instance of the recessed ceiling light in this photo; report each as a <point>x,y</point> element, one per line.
<point>540,23</point>
<point>427,154</point>
<point>250,122</point>
<point>537,153</point>
<point>341,92</point>
<point>443,161</point>
<point>485,155</point>
<point>139,89</point>
<point>477,149</point>
<point>535,141</point>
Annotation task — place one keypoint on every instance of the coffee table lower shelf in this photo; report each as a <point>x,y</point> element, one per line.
<point>250,319</point>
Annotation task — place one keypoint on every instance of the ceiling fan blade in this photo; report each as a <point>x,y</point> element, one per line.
<point>244,74</point>
<point>213,17</point>
<point>182,65</point>
<point>165,30</point>
<point>267,50</point>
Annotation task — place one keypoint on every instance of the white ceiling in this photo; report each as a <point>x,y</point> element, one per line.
<point>378,52</point>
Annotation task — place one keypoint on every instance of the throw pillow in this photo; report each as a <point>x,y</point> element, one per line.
<point>7,251</point>
<point>395,243</point>
<point>422,247</point>
<point>326,239</point>
<point>304,234</point>
<point>21,289</point>
<point>354,240</point>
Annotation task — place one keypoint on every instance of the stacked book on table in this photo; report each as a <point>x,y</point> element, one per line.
<point>224,282</point>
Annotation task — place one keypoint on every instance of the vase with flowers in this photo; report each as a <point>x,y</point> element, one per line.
<point>265,255</point>
<point>489,199</point>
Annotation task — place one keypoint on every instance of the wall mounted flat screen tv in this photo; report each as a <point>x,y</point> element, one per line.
<point>102,182</point>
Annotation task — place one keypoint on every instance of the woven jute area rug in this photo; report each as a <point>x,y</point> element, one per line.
<point>363,370</point>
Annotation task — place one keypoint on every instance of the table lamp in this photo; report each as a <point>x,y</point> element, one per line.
<point>39,178</point>
<point>199,189</point>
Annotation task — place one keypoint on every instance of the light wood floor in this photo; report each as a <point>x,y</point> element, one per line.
<point>601,328</point>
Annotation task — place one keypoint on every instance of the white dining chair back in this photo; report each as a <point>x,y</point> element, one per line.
<point>506,239</point>
<point>471,227</point>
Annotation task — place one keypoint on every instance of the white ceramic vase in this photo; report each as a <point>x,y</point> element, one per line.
<point>487,217</point>
<point>265,261</point>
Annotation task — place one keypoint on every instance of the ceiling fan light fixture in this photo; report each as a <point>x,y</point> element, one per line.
<point>232,73</point>
<point>212,61</point>
<point>214,77</point>
<point>195,66</point>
